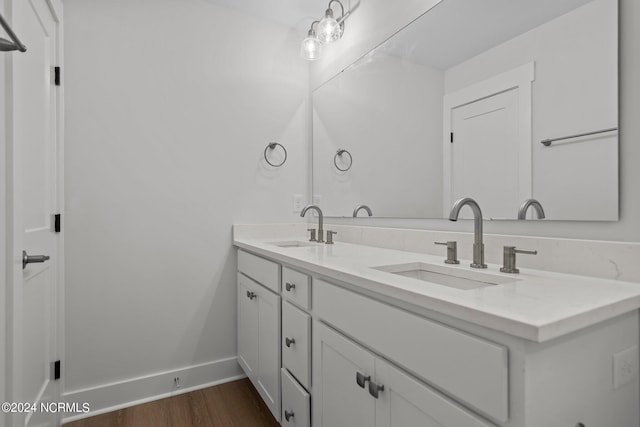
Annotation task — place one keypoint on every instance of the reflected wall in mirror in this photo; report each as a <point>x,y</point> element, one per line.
<point>457,103</point>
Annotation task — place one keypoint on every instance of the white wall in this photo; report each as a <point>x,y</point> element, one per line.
<point>353,46</point>
<point>169,106</point>
<point>574,91</point>
<point>392,128</point>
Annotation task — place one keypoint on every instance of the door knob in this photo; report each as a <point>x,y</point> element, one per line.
<point>30,259</point>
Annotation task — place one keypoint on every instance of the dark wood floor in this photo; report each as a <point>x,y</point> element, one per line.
<point>234,404</point>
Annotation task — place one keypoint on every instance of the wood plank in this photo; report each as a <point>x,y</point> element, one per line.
<point>233,404</point>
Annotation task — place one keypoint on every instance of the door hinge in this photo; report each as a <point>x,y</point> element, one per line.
<point>55,370</point>
<point>56,76</point>
<point>451,138</point>
<point>57,223</point>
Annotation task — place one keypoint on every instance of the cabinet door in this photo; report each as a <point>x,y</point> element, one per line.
<point>247,330</point>
<point>406,402</point>
<point>338,400</point>
<point>268,328</point>
<point>259,340</point>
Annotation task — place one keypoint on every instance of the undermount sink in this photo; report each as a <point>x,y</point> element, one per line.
<point>446,276</point>
<point>292,244</point>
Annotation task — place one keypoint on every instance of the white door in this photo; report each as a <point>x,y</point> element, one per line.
<point>338,365</point>
<point>34,289</point>
<point>485,154</point>
<point>489,159</point>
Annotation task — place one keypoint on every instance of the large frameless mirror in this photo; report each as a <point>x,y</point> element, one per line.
<point>498,100</point>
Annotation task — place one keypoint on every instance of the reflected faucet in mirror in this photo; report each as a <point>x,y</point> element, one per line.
<point>478,246</point>
<point>522,212</point>
<point>320,235</point>
<point>366,208</point>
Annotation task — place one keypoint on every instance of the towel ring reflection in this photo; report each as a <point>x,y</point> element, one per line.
<point>340,152</point>
<point>272,146</point>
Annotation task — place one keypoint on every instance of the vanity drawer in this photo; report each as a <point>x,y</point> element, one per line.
<point>296,287</point>
<point>296,406</point>
<point>263,271</point>
<point>296,342</point>
<point>472,369</point>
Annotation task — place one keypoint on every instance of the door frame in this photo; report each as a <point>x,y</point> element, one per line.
<point>11,251</point>
<point>520,78</point>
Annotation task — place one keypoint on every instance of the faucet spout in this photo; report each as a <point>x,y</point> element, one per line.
<point>320,220</point>
<point>478,245</point>
<point>522,212</point>
<point>358,208</point>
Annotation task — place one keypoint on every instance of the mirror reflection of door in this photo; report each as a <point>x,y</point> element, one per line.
<point>488,154</point>
<point>484,131</point>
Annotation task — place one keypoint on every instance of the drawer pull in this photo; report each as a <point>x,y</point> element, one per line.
<point>288,286</point>
<point>251,295</point>
<point>288,415</point>
<point>361,379</point>
<point>288,341</point>
<point>374,389</point>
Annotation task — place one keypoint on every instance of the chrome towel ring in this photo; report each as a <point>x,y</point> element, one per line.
<point>339,153</point>
<point>273,146</point>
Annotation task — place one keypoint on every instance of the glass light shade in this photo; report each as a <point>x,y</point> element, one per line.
<point>329,30</point>
<point>311,48</point>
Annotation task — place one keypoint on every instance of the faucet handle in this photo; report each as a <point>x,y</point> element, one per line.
<point>452,251</point>
<point>330,235</point>
<point>509,258</point>
<point>312,237</point>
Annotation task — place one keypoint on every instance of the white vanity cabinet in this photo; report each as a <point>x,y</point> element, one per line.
<point>324,351</point>
<point>258,335</point>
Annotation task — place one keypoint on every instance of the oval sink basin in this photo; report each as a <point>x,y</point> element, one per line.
<point>446,276</point>
<point>292,244</point>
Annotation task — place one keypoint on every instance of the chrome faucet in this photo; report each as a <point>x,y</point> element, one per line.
<point>359,208</point>
<point>522,212</point>
<point>320,229</point>
<point>478,246</point>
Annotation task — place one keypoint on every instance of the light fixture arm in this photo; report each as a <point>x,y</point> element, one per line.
<point>312,32</point>
<point>341,8</point>
<point>343,14</point>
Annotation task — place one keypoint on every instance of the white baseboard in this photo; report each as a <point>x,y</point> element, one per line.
<point>111,397</point>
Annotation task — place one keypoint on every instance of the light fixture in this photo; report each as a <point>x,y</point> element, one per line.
<point>330,29</point>
<point>327,30</point>
<point>311,46</point>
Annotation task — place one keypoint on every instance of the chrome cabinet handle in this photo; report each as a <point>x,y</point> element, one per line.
<point>30,259</point>
<point>374,389</point>
<point>251,295</point>
<point>288,415</point>
<point>288,286</point>
<point>288,341</point>
<point>362,379</point>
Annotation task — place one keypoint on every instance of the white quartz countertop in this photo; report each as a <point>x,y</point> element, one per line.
<point>534,305</point>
